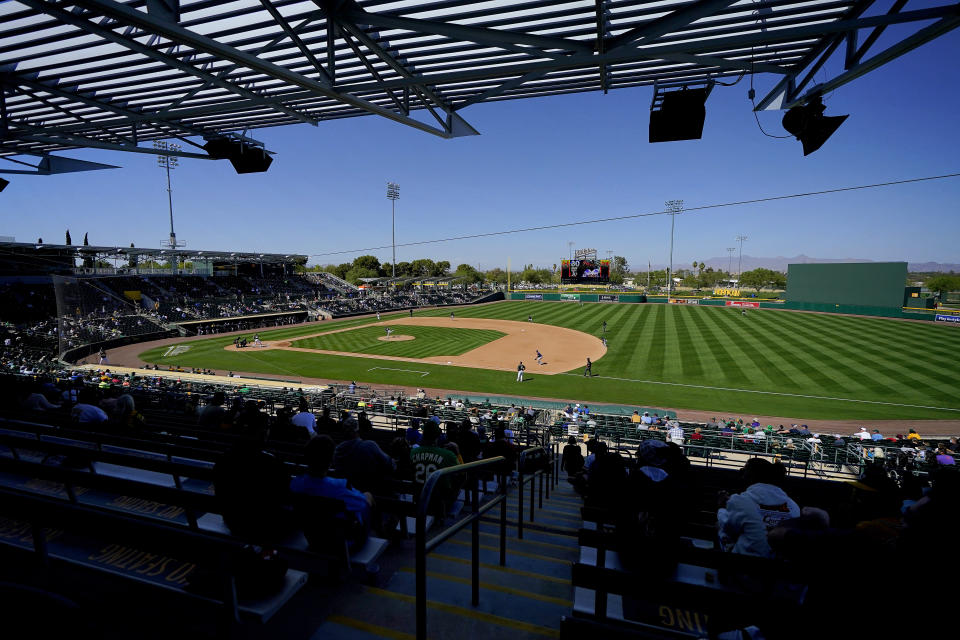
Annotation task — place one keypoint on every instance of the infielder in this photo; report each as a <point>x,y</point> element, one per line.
<point>539,357</point>
<point>520,370</point>
<point>256,341</point>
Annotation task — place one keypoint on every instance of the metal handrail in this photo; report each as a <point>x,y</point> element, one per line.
<point>425,546</point>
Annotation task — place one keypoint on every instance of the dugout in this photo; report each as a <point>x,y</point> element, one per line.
<point>865,288</point>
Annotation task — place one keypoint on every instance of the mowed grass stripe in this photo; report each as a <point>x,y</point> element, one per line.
<point>690,363</point>
<point>729,369</point>
<point>753,376</point>
<point>838,357</point>
<point>888,348</point>
<point>819,376</point>
<point>429,341</point>
<point>885,364</point>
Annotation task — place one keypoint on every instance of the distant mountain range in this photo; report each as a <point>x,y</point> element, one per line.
<point>780,263</point>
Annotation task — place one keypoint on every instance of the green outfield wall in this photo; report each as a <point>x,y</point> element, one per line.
<point>867,285</point>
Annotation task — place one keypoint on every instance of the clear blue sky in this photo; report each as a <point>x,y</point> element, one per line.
<point>557,159</point>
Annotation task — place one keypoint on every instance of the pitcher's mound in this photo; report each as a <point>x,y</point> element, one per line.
<point>400,338</point>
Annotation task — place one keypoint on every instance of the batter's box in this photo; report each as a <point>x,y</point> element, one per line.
<point>423,374</point>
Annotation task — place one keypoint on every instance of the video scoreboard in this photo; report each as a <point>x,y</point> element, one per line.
<point>584,271</point>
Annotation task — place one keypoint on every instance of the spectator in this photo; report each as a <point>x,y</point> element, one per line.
<point>212,415</point>
<point>252,487</point>
<point>86,411</point>
<point>945,458</point>
<point>745,518</point>
<point>355,521</point>
<point>362,462</point>
<point>304,418</point>
<point>572,459</point>
<point>37,401</point>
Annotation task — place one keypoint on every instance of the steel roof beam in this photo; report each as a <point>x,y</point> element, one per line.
<point>199,42</point>
<point>50,8</point>
<point>891,53</point>
<point>673,21</point>
<point>295,38</point>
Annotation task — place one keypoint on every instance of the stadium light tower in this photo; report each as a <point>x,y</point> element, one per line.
<point>393,194</point>
<point>740,239</point>
<point>673,208</point>
<point>730,251</point>
<point>169,162</point>
<point>570,246</point>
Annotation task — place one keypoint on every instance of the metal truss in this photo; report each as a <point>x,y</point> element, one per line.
<point>114,74</point>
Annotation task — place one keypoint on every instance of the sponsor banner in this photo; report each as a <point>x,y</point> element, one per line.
<point>726,293</point>
<point>940,317</point>
<point>742,303</point>
<point>604,297</point>
<point>533,296</point>
<point>684,301</point>
<point>570,297</point>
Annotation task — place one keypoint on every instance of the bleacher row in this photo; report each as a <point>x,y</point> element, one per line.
<point>62,488</point>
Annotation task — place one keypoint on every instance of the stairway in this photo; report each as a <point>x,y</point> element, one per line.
<point>522,600</point>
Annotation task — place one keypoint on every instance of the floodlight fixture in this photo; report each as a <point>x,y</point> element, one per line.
<point>244,156</point>
<point>3,184</point>
<point>808,124</point>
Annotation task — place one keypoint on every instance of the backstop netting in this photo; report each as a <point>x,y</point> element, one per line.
<point>89,312</point>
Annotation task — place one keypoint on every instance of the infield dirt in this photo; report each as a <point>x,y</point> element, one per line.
<point>563,349</point>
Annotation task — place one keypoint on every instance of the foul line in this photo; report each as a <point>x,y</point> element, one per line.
<point>769,393</point>
<point>424,373</point>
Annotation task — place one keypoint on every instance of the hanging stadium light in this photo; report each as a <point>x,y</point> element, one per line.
<point>245,157</point>
<point>680,115</point>
<point>808,124</point>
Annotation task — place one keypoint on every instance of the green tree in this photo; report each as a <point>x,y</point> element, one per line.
<point>370,263</point>
<point>354,275</point>
<point>468,274</point>
<point>943,283</point>
<point>760,278</point>
<point>440,268</point>
<point>497,275</point>
<point>422,267</point>
<point>619,269</point>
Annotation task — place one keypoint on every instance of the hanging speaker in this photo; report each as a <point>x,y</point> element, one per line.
<point>3,184</point>
<point>680,116</point>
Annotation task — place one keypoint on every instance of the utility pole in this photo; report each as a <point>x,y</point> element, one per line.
<point>673,208</point>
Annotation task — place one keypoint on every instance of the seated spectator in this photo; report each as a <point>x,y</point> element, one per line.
<point>945,458</point>
<point>250,420</point>
<point>863,434</point>
<point>745,518</point>
<point>876,435</point>
<point>429,457</point>
<point>355,522</point>
<point>913,435</point>
<point>125,414</point>
<point>252,487</point>
<point>646,419</point>
<point>212,415</point>
<point>399,451</point>
<point>635,418</point>
<point>468,440</point>
<point>87,410</point>
<point>362,462</point>
<point>304,418</point>
<point>696,435</point>
<point>572,459</point>
<point>501,447</point>
<point>37,401</point>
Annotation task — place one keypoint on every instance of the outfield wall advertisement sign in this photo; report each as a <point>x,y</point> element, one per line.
<point>533,296</point>
<point>603,297</point>
<point>742,303</point>
<point>940,317</point>
<point>569,297</point>
<point>684,301</point>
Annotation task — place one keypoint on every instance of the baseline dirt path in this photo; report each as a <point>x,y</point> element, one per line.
<point>563,349</point>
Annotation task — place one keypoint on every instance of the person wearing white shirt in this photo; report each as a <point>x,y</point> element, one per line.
<point>675,434</point>
<point>863,434</point>
<point>306,419</point>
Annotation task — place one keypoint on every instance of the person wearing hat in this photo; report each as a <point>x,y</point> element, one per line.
<point>876,435</point>
<point>745,518</point>
<point>646,419</point>
<point>429,457</point>
<point>863,434</point>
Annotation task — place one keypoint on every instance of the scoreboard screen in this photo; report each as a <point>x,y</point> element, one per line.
<point>585,271</point>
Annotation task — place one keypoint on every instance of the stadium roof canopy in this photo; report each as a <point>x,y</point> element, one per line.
<point>108,253</point>
<point>116,75</point>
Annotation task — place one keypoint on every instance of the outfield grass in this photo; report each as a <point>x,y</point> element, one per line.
<point>428,341</point>
<point>769,362</point>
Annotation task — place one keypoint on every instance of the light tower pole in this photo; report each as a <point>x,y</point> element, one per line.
<point>740,239</point>
<point>570,246</point>
<point>673,208</point>
<point>730,251</point>
<point>393,194</point>
<point>168,162</point>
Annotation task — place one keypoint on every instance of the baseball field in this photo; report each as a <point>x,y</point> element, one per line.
<point>769,362</point>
